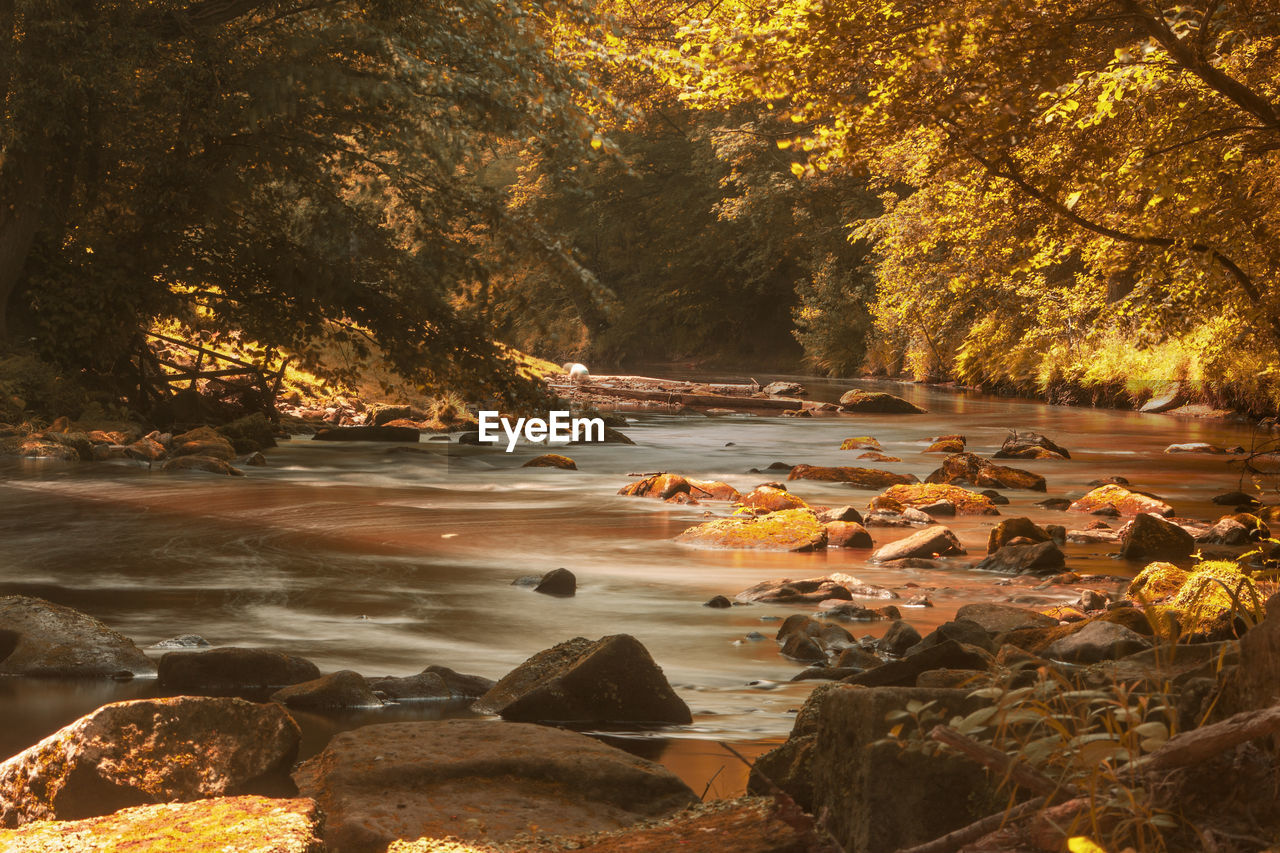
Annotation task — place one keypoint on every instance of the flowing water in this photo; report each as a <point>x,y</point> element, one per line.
<point>387,558</point>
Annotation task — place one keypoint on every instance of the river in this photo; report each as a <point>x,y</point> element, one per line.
<point>387,558</point>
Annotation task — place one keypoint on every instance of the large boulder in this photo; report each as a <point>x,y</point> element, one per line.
<point>875,795</point>
<point>610,680</point>
<point>483,781</point>
<point>921,495</point>
<point>1025,559</point>
<point>1240,528</point>
<point>771,499</point>
<point>672,487</point>
<point>1030,445</point>
<point>1013,528</point>
<point>878,403</point>
<point>971,468</point>
<point>233,668</point>
<point>1150,537</point>
<point>946,654</point>
<point>40,638</point>
<point>859,478</point>
<point>148,751</point>
<point>1156,581</point>
<point>1118,500</point>
<point>786,530</point>
<point>848,534</point>
<point>1000,618</point>
<point>248,824</point>
<point>937,541</point>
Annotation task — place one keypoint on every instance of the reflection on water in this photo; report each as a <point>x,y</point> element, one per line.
<point>385,559</point>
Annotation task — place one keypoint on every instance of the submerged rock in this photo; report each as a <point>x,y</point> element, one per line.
<point>433,683</point>
<point>247,824</point>
<point>612,679</point>
<point>411,780</point>
<point>202,463</point>
<point>558,582</point>
<point>145,751</point>
<point>342,689</point>
<point>40,638</point>
<point>551,460</point>
<point>860,478</point>
<point>786,530</point>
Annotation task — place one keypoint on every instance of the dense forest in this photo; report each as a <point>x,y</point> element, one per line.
<point>1067,198</point>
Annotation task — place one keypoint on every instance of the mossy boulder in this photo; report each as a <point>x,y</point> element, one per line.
<point>860,442</point>
<point>771,499</point>
<point>875,402</point>
<point>249,434</point>
<point>786,530</point>
<point>1117,499</point>
<point>965,501</point>
<point>203,441</point>
<point>947,444</point>
<point>551,460</point>
<point>972,468</point>
<point>1155,582</point>
<point>860,478</point>
<point>1150,537</point>
<point>1214,590</point>
<point>40,638</point>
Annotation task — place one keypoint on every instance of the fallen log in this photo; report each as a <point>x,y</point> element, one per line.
<point>724,401</point>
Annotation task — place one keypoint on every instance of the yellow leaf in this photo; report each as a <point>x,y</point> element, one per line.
<point>784,143</point>
<point>1080,844</point>
<point>1073,199</point>
<point>596,142</point>
<point>797,169</point>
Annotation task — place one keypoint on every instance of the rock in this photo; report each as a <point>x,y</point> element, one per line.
<point>368,433</point>
<point>771,499</point>
<point>381,414</point>
<point>971,468</point>
<point>1164,402</point>
<point>559,582</point>
<point>204,441</point>
<point>36,449</point>
<point>848,534</point>
<point>718,602</point>
<point>859,478</point>
<point>1236,498</point>
<point>249,434</point>
<point>666,486</point>
<point>840,513</point>
<point>875,402</point>
<point>787,530</point>
<point>256,459</point>
<point>861,442</point>
<point>923,494</point>
<point>1030,445</point>
<point>1255,683</point>
<point>935,541</point>
<point>947,444</point>
<point>551,460</point>
<point>1212,596</point>
<point>784,389</point>
<point>1239,529</point>
<point>877,456</point>
<point>435,683</point>
<point>900,637</point>
<point>202,463</point>
<point>825,673</point>
<point>1054,503</point>
<point>938,509</point>
<point>246,824</point>
<point>612,679</point>
<point>1122,501</point>
<point>807,591</point>
<point>856,658</point>
<point>949,654</point>
<point>146,449</point>
<point>1092,600</point>
<point>803,648</point>
<point>995,497</point>
<point>1097,641</point>
<point>941,679</point>
<point>342,689</point>
<point>1001,618</point>
<point>1022,559</point>
<point>1195,447</point>
<point>963,631</point>
<point>1011,528</point>
<point>1150,537</point>
<point>847,611</point>
<point>184,641</point>
<point>233,668</point>
<point>483,781</point>
<point>148,750</point>
<point>40,638</point>
<point>914,516</point>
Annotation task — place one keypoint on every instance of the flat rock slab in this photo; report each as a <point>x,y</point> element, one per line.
<point>40,638</point>
<point>481,781</point>
<point>609,680</point>
<point>224,824</point>
<point>146,751</point>
<point>859,478</point>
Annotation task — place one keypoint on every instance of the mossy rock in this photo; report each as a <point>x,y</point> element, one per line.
<point>860,442</point>
<point>1156,581</point>
<point>250,434</point>
<point>923,494</point>
<point>771,499</point>
<point>1216,589</point>
<point>787,530</point>
<point>551,460</point>
<point>1122,500</point>
<point>875,402</point>
<point>859,478</point>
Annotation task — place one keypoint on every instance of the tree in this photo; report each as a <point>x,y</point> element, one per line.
<point>1053,172</point>
<point>284,169</point>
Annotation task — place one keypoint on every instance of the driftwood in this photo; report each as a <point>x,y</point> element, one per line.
<point>686,398</point>
<point>1182,750</point>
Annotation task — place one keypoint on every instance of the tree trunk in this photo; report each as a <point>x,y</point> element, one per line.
<point>24,182</point>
